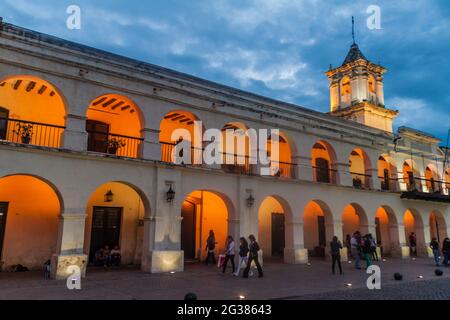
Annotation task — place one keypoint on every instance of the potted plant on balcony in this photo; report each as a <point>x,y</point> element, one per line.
<point>25,131</point>
<point>114,144</point>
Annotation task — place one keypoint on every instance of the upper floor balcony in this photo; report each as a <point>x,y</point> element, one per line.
<point>34,112</point>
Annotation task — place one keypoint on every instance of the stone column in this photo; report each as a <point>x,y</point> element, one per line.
<point>404,248</point>
<point>295,252</point>
<point>344,176</point>
<point>304,170</point>
<point>396,247</point>
<point>151,148</point>
<point>375,180</point>
<point>75,136</point>
<point>423,249</point>
<point>70,245</point>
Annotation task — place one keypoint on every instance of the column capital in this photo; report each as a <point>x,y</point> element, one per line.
<point>76,117</point>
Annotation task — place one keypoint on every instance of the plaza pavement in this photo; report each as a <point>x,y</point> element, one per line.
<point>281,281</point>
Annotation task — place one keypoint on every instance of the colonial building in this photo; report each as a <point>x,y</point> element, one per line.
<point>86,139</point>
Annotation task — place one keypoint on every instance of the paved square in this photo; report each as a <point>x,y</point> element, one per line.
<point>281,281</point>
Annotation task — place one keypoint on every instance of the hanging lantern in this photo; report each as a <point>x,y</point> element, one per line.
<point>109,196</point>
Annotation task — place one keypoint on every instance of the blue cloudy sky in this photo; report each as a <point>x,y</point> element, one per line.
<point>277,48</point>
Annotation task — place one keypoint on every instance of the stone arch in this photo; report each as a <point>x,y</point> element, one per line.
<point>32,111</point>
<point>324,162</point>
<point>413,224</point>
<point>29,224</point>
<point>360,168</point>
<point>387,234</point>
<point>115,212</point>
<point>318,228</point>
<point>354,218</point>
<point>283,166</point>
<point>438,226</point>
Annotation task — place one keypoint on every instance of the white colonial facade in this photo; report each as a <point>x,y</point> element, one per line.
<point>84,143</point>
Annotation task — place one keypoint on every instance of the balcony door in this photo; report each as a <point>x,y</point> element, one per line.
<point>4,114</point>
<point>97,136</point>
<point>3,213</point>
<point>322,170</point>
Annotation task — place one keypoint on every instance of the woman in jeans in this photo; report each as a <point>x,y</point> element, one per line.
<point>336,247</point>
<point>230,254</point>
<point>243,255</point>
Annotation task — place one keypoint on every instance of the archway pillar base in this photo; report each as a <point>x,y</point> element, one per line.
<point>405,252</point>
<point>344,254</point>
<point>296,256</point>
<point>61,264</point>
<point>163,262</point>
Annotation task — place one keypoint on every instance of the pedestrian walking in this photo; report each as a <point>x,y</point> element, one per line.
<point>413,244</point>
<point>243,255</point>
<point>434,245</point>
<point>356,248</point>
<point>373,247</point>
<point>211,248</point>
<point>229,254</point>
<point>336,247</point>
<point>367,251</point>
<point>348,245</point>
<point>446,251</point>
<point>253,257</point>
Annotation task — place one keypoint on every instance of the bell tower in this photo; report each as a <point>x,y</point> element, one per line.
<point>357,91</point>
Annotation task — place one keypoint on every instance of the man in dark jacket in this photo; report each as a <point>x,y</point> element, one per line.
<point>336,247</point>
<point>434,245</point>
<point>253,256</point>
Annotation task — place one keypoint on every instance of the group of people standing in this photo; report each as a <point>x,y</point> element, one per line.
<point>434,245</point>
<point>248,254</point>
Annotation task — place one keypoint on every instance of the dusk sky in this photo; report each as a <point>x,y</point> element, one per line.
<point>275,48</point>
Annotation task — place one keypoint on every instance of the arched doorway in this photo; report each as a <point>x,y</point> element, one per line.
<point>438,226</point>
<point>354,219</point>
<point>414,226</point>
<point>115,212</point>
<point>114,125</point>
<point>360,169</point>
<point>29,221</point>
<point>272,232</point>
<point>411,177</point>
<point>32,111</point>
<point>387,231</point>
<point>236,149</point>
<point>318,228</point>
<point>324,163</point>
<point>281,165</point>
<point>178,129</point>
<point>387,174</point>
<point>432,179</point>
<point>201,212</point>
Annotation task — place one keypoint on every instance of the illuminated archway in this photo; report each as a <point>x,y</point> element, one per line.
<point>360,168</point>
<point>201,212</point>
<point>272,234</point>
<point>354,219</point>
<point>29,221</point>
<point>318,228</point>
<point>387,173</point>
<point>114,125</point>
<point>324,163</point>
<point>411,176</point>
<point>236,149</point>
<point>387,231</point>
<point>32,111</point>
<point>113,214</point>
<point>182,123</point>
<point>432,179</point>
<point>438,226</point>
<point>283,166</point>
<point>414,225</point>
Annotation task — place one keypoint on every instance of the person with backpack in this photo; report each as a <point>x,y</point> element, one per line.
<point>336,247</point>
<point>434,245</point>
<point>253,256</point>
<point>211,248</point>
<point>229,254</point>
<point>243,255</point>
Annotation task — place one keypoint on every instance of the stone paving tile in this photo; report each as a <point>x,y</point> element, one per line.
<point>280,281</point>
